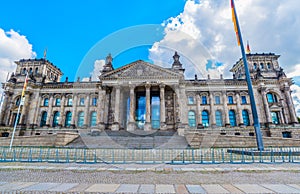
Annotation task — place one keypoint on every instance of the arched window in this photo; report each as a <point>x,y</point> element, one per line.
<point>36,70</point>
<point>192,119</point>
<point>46,102</point>
<point>80,119</point>
<point>93,120</point>
<point>43,118</point>
<point>246,120</point>
<point>219,122</point>
<point>24,71</point>
<point>18,100</point>
<point>255,66</point>
<point>68,119</point>
<point>30,70</point>
<point>261,66</point>
<point>232,118</point>
<point>269,65</point>
<point>205,118</point>
<point>272,98</point>
<point>56,119</point>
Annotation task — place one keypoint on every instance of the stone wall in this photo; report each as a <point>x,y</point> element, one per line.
<point>58,139</point>
<point>206,140</point>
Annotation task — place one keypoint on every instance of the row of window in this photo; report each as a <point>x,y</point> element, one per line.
<point>30,71</point>
<point>218,117</point>
<point>81,102</point>
<point>68,119</point>
<point>262,66</point>
<point>217,99</point>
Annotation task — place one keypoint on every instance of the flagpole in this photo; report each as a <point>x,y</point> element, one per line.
<point>259,139</point>
<point>20,104</point>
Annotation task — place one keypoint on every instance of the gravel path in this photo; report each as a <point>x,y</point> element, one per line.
<point>248,173</point>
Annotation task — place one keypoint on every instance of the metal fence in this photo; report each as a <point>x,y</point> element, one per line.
<point>143,156</point>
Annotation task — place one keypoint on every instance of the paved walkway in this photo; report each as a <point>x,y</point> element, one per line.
<point>34,187</point>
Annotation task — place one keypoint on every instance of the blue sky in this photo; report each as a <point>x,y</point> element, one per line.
<point>68,29</point>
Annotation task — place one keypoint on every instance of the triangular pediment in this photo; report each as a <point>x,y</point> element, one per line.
<point>140,70</point>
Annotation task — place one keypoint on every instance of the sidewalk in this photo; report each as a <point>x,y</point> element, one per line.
<point>127,178</point>
<point>25,187</point>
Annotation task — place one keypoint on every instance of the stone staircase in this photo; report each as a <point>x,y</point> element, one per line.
<point>130,140</point>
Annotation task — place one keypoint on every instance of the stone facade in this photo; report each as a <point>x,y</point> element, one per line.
<point>143,96</point>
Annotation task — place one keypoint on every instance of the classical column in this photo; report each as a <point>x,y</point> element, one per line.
<point>8,112</point>
<point>182,102</point>
<point>199,120</point>
<point>227,122</point>
<point>284,111</point>
<point>4,108</point>
<point>37,110</point>
<point>162,107</point>
<point>49,114</point>
<point>132,125</point>
<point>100,108</point>
<point>212,111</point>
<point>24,114</point>
<point>86,110</point>
<point>290,105</point>
<point>147,126</point>
<point>239,110</point>
<point>74,112</point>
<point>116,124</point>
<point>62,110</point>
<point>266,105</point>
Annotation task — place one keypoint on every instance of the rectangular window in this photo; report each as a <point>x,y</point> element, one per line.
<point>204,100</point>
<point>244,100</point>
<point>230,99</point>
<point>270,98</point>
<point>191,100</point>
<point>57,102</point>
<point>81,101</point>
<point>70,102</point>
<point>94,102</point>
<point>217,100</point>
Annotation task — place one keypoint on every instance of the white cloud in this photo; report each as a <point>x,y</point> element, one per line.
<point>98,66</point>
<point>296,98</point>
<point>13,47</point>
<point>270,26</point>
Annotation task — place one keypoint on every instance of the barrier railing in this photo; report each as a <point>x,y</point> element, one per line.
<point>172,156</point>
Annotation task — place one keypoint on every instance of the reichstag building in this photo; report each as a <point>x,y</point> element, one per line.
<point>144,96</point>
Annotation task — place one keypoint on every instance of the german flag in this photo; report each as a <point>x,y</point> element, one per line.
<point>234,20</point>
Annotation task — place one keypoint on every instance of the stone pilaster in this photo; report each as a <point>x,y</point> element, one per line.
<point>162,107</point>
<point>212,118</point>
<point>116,124</point>
<point>239,110</point>
<point>132,125</point>
<point>290,105</point>
<point>147,126</point>
<point>74,112</point>
<point>62,110</point>
<point>100,108</point>
<point>199,115</point>
<point>225,108</point>
<point>49,115</point>
<point>182,102</point>
<point>266,106</point>
<point>37,109</point>
<point>87,111</point>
